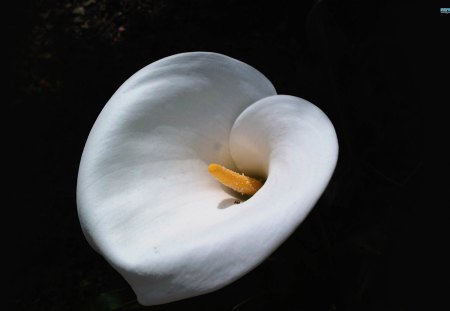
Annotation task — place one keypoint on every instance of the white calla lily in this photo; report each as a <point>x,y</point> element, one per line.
<point>146,201</point>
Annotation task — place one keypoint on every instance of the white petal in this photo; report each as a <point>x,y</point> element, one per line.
<point>292,143</point>
<point>145,199</point>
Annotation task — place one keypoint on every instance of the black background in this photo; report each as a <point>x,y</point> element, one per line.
<point>359,63</point>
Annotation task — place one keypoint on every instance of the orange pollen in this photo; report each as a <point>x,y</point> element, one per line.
<point>237,182</point>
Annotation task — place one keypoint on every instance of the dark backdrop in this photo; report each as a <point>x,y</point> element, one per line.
<point>357,62</point>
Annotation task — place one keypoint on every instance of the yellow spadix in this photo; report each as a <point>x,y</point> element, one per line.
<point>237,182</point>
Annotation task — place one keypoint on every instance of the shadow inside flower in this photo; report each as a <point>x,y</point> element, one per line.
<point>226,203</point>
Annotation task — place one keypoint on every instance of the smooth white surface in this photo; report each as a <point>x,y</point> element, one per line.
<point>145,199</point>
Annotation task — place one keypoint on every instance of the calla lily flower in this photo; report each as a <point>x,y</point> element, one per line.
<point>146,200</point>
